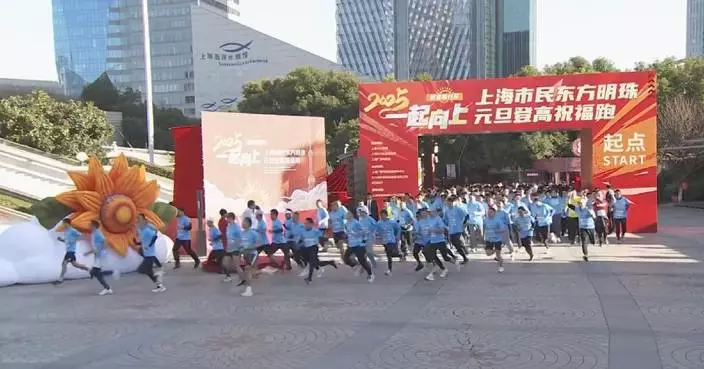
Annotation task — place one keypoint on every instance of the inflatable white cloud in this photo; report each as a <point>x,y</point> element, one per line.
<point>31,254</point>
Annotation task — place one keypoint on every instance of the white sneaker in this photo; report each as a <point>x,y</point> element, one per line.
<point>430,277</point>
<point>370,279</point>
<point>303,273</point>
<point>388,272</point>
<point>159,289</point>
<point>501,269</point>
<point>320,273</point>
<point>443,273</point>
<point>247,292</point>
<point>106,291</point>
<point>116,274</point>
<point>227,279</point>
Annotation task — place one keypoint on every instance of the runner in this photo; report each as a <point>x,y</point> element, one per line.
<point>494,232</point>
<point>475,222</point>
<point>456,218</point>
<point>389,233</point>
<point>278,242</point>
<point>70,239</point>
<point>601,224</point>
<point>406,218</point>
<point>338,218</point>
<point>247,255</point>
<point>620,213</point>
<point>322,219</point>
<point>232,253</point>
<point>216,242</point>
<point>586,226</point>
<point>356,240</point>
<point>311,240</point>
<point>369,225</point>
<point>524,222</point>
<point>542,215</point>
<point>183,239</point>
<point>422,236</point>
<point>147,240</point>
<point>97,242</point>
<point>438,242</point>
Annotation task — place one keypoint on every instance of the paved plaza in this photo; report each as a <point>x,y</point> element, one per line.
<point>634,306</point>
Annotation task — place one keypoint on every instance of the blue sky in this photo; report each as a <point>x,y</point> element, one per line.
<point>624,31</point>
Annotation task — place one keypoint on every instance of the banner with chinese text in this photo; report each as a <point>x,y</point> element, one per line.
<point>618,108</point>
<point>277,161</point>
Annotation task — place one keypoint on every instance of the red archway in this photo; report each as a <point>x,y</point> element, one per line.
<point>615,113</point>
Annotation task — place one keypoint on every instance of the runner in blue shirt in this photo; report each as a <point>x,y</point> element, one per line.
<point>421,236</point>
<point>338,218</point>
<point>355,246</point>
<point>524,222</point>
<point>322,219</point>
<point>475,223</point>
<point>437,242</point>
<point>216,243</point>
<point>183,239</point>
<point>406,218</point>
<point>70,239</point>
<point>100,252</point>
<point>311,239</point>
<point>368,224</point>
<point>586,226</point>
<point>494,233</point>
<point>293,236</point>
<point>619,207</point>
<point>542,215</point>
<point>147,239</point>
<point>249,238</point>
<point>389,233</point>
<point>233,235</point>
<point>278,240</point>
<point>456,218</point>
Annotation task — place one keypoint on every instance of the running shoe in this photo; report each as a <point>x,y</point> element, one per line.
<point>388,273</point>
<point>247,292</point>
<point>419,267</point>
<point>430,277</point>
<point>370,278</point>
<point>159,288</point>
<point>585,258</point>
<point>106,291</point>
<point>501,269</point>
<point>227,280</point>
<point>443,273</point>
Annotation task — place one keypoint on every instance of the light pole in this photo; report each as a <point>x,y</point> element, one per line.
<point>148,80</point>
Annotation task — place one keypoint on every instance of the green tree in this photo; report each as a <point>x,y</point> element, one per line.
<point>307,91</point>
<point>102,93</point>
<point>58,127</point>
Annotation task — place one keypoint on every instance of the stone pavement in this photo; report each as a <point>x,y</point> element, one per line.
<point>634,306</point>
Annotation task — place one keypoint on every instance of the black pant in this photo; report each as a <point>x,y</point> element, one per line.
<point>186,245</point>
<point>526,242</point>
<point>147,267</point>
<point>360,253</point>
<point>417,249</point>
<point>601,225</point>
<point>541,234</point>
<point>563,227</point>
<point>431,254</point>
<point>99,274</point>
<point>572,229</point>
<point>457,241</point>
<point>620,227</point>
<point>586,235</point>
<point>391,252</point>
<point>310,255</point>
<point>296,253</point>
<point>405,242</point>
<point>218,256</point>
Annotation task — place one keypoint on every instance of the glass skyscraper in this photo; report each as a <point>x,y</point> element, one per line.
<point>695,28</point>
<point>438,37</point>
<point>80,41</point>
<point>518,38</point>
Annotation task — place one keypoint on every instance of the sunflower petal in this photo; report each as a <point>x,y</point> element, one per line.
<point>119,167</point>
<point>146,194</point>
<point>81,221</point>
<point>118,242</point>
<point>82,180</point>
<point>89,200</point>
<point>151,217</point>
<point>70,199</point>
<point>127,183</point>
<point>95,169</point>
<point>104,185</point>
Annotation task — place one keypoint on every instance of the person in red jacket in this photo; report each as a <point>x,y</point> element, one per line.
<point>222,225</point>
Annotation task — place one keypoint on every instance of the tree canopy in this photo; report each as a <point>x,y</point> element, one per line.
<point>58,127</point>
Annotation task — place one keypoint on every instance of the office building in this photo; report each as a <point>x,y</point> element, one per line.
<point>695,28</point>
<point>438,37</point>
<point>518,35</point>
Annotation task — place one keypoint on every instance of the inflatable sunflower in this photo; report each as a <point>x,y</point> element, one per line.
<point>115,198</point>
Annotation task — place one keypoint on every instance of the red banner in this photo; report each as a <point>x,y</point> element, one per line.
<point>617,109</point>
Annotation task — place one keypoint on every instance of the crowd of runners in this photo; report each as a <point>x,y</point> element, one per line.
<point>434,228</point>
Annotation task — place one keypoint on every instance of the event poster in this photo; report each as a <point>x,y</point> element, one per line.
<point>277,161</point>
<point>618,110</point>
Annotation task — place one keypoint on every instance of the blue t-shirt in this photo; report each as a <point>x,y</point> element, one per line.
<point>215,238</point>
<point>182,233</point>
<point>97,241</point>
<point>233,232</point>
<point>437,230</point>
<point>338,219</point>
<point>277,232</point>
<point>586,218</point>
<point>406,218</point>
<point>355,233</point>
<point>620,207</point>
<point>322,217</point>
<point>557,204</point>
<point>476,212</point>
<point>311,237</point>
<point>494,228</point>
<point>455,219</point>
<point>542,213</point>
<point>524,223</point>
<point>369,225</point>
<point>71,237</point>
<point>249,239</point>
<point>388,231</point>
<point>422,231</point>
<point>263,238</point>
<point>146,235</point>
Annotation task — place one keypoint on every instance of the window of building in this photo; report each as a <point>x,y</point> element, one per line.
<point>190,99</point>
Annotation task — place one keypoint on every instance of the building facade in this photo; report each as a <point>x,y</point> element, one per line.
<point>226,55</point>
<point>437,37</point>
<point>448,39</point>
<point>80,41</point>
<point>695,28</point>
